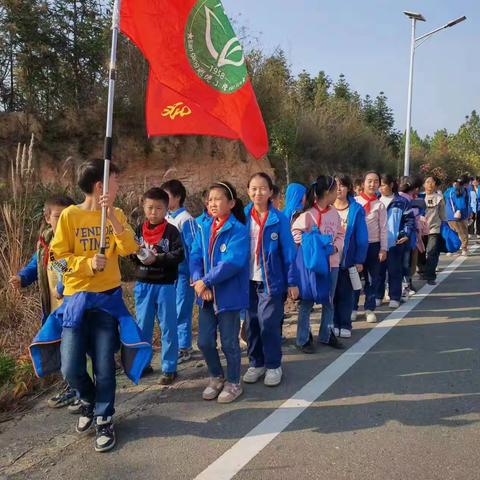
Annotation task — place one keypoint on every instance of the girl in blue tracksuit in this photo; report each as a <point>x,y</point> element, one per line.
<point>294,200</point>
<point>458,210</point>
<point>219,269</point>
<point>400,228</point>
<point>272,274</point>
<point>354,254</point>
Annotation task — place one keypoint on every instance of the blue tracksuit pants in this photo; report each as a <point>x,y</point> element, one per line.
<point>394,267</point>
<point>185,296</point>
<point>153,300</point>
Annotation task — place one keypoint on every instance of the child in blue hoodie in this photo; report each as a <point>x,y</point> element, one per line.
<point>400,228</point>
<point>294,200</point>
<point>458,210</point>
<point>354,254</point>
<point>272,274</point>
<point>219,269</point>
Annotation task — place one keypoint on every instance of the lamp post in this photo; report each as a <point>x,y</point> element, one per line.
<point>416,42</point>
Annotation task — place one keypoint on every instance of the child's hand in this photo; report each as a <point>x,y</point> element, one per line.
<point>99,262</point>
<point>207,295</point>
<point>293,293</point>
<point>382,256</point>
<point>15,281</point>
<point>402,240</point>
<point>58,296</point>
<point>199,287</point>
<point>359,267</point>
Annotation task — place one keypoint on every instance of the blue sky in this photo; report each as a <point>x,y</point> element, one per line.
<point>369,42</point>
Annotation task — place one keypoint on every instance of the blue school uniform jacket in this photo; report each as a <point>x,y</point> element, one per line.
<point>277,252</point>
<point>356,236</point>
<point>293,200</point>
<point>226,270</point>
<point>454,203</point>
<point>45,348</point>
<point>400,219</point>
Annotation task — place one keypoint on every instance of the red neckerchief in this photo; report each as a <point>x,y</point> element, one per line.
<point>46,246</point>
<point>216,226</point>
<point>368,205</point>
<point>320,211</point>
<point>261,223</point>
<point>153,235</point>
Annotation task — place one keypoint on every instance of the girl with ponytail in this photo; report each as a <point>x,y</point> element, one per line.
<point>219,269</point>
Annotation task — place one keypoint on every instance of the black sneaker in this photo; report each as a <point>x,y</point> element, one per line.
<point>184,355</point>
<point>63,398</point>
<point>334,342</point>
<point>148,370</point>
<point>85,421</point>
<point>75,408</point>
<point>308,347</point>
<point>168,378</point>
<point>105,434</point>
<point>432,282</point>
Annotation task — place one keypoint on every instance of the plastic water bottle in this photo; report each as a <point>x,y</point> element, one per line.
<point>355,278</point>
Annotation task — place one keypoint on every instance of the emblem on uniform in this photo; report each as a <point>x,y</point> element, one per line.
<point>223,248</point>
<point>274,236</point>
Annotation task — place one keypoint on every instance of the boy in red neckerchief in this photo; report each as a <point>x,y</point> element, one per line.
<point>156,273</point>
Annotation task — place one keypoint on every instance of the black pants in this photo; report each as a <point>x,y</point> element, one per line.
<point>428,261</point>
<point>475,225</point>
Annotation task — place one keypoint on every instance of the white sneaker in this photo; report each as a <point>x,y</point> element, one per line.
<point>378,302</point>
<point>253,374</point>
<point>336,332</point>
<point>464,253</point>
<point>393,304</point>
<point>449,254</point>
<point>371,317</point>
<point>344,333</point>
<point>273,377</point>
<point>353,316</point>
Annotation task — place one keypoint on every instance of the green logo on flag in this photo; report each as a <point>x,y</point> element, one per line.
<point>213,49</point>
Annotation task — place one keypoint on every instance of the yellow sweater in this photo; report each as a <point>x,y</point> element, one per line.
<point>77,240</point>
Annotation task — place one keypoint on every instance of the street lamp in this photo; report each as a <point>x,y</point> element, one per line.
<point>416,42</point>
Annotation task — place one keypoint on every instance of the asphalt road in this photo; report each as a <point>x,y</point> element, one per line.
<point>406,409</point>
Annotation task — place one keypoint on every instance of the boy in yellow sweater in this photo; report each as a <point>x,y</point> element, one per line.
<point>93,298</point>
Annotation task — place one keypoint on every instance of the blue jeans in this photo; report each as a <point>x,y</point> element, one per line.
<point>228,323</point>
<point>158,300</point>
<point>326,321</point>
<point>264,327</point>
<point>185,297</point>
<point>343,301</point>
<point>392,266</point>
<point>371,272</point>
<point>98,336</point>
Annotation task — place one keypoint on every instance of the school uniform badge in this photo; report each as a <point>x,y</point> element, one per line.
<point>274,236</point>
<point>223,248</point>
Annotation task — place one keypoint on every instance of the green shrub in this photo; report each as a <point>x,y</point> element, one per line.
<point>7,367</point>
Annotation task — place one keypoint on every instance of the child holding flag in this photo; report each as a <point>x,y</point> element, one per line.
<point>272,275</point>
<point>219,268</point>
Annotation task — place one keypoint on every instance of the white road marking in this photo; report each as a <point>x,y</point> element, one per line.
<point>457,350</point>
<point>419,374</point>
<point>236,457</point>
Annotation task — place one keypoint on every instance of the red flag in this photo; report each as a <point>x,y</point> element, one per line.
<point>198,80</point>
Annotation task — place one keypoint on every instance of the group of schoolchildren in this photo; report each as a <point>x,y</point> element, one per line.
<point>237,263</point>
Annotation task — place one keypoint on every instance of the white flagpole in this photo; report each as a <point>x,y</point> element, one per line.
<point>108,135</point>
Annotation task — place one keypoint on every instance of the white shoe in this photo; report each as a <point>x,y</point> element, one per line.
<point>353,316</point>
<point>393,304</point>
<point>254,374</point>
<point>378,302</point>
<point>273,377</point>
<point>464,253</point>
<point>371,317</point>
<point>336,332</point>
<point>449,254</point>
<point>344,333</point>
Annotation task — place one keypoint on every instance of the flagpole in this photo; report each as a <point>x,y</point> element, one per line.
<point>108,136</point>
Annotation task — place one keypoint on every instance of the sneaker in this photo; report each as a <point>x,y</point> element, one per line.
<point>105,434</point>
<point>75,408</point>
<point>353,316</point>
<point>184,355</point>
<point>148,370</point>
<point>85,420</point>
<point>394,304</point>
<point>345,333</point>
<point>230,392</point>
<point>253,374</point>
<point>334,342</point>
<point>336,332</point>
<point>371,317</point>
<point>308,347</point>
<point>168,378</point>
<point>214,387</point>
<point>378,302</point>
<point>63,398</point>
<point>273,377</point>
<point>432,282</point>
<point>449,254</point>
<point>464,253</point>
